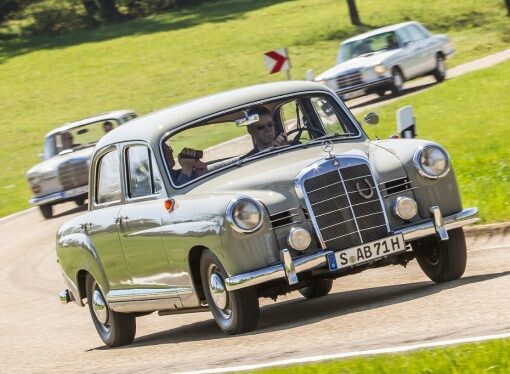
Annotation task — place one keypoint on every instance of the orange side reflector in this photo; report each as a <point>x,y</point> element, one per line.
<point>169,204</point>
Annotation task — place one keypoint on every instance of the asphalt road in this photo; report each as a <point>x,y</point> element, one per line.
<point>374,309</point>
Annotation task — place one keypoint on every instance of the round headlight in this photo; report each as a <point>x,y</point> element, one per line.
<point>432,161</point>
<point>244,214</point>
<point>405,208</point>
<point>299,238</point>
<point>380,69</point>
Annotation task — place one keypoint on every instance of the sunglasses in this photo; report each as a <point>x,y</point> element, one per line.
<point>263,126</point>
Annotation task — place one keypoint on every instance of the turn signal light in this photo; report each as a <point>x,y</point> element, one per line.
<point>169,204</point>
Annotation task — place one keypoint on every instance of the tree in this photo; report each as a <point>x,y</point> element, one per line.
<point>353,12</point>
<point>507,2</point>
<point>106,9</point>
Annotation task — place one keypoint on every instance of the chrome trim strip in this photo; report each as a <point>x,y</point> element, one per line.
<point>393,180</point>
<point>395,186</point>
<point>141,294</point>
<point>403,191</point>
<point>308,262</point>
<point>286,217</point>
<point>287,224</point>
<point>283,211</point>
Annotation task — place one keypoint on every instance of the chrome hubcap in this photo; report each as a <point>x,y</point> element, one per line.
<point>218,292</point>
<point>99,306</point>
<point>441,66</point>
<point>397,80</point>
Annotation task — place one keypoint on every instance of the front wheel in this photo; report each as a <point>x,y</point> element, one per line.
<point>398,82</point>
<point>115,329</point>
<point>46,210</point>
<point>316,288</point>
<point>439,72</point>
<point>442,261</point>
<point>235,312</point>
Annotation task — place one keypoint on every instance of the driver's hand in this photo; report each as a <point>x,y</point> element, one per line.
<point>281,139</point>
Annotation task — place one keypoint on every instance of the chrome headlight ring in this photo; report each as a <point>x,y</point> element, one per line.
<point>245,214</point>
<point>431,161</point>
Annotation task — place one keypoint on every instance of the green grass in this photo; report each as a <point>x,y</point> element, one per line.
<point>469,116</point>
<point>165,59</point>
<point>487,357</point>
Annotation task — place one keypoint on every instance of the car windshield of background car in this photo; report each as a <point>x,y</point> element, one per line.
<point>367,46</point>
<point>224,142</point>
<point>81,137</point>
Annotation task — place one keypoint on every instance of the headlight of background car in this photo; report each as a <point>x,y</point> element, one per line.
<point>35,182</point>
<point>380,69</point>
<point>244,214</point>
<point>432,161</point>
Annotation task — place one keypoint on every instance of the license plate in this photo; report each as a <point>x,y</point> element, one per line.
<point>76,191</point>
<point>366,252</point>
<point>350,95</point>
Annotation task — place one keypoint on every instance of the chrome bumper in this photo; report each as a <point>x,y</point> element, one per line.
<point>58,196</point>
<point>288,268</point>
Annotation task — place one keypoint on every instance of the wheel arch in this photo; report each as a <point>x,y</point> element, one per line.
<point>194,256</point>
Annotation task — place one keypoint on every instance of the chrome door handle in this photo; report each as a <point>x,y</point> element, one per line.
<point>86,226</point>
<point>121,219</point>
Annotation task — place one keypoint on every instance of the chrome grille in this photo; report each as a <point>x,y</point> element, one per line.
<point>349,79</point>
<point>344,218</point>
<point>73,173</point>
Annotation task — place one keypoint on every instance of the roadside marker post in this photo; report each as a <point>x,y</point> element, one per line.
<point>277,61</point>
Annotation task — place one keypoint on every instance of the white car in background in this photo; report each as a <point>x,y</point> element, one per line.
<point>382,59</point>
<point>63,175</point>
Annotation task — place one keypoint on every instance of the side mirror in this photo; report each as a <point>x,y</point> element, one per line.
<point>406,123</point>
<point>371,118</point>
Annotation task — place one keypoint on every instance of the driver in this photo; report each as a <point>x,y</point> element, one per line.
<point>263,132</point>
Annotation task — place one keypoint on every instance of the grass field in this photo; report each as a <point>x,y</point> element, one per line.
<point>487,357</point>
<point>171,57</point>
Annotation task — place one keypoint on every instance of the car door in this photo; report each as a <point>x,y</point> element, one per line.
<point>101,223</point>
<point>140,221</point>
<point>419,51</point>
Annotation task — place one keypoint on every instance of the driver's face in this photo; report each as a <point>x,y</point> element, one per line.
<point>263,131</point>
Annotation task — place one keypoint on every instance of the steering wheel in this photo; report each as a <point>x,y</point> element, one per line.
<point>301,129</point>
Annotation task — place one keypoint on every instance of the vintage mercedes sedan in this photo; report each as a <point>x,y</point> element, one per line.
<point>63,174</point>
<point>381,60</point>
<point>252,193</point>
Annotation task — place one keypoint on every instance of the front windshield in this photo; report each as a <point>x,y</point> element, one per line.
<point>77,137</point>
<point>368,46</point>
<point>253,132</point>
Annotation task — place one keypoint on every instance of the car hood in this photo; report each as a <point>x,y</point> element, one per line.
<point>51,165</point>
<point>271,179</point>
<point>361,62</point>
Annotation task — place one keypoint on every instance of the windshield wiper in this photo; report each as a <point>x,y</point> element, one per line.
<point>329,136</point>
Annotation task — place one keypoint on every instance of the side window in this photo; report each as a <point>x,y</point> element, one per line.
<point>326,114</point>
<point>292,117</point>
<point>142,174</point>
<point>108,188</point>
<point>415,33</point>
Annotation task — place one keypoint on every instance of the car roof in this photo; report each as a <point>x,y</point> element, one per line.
<point>151,127</point>
<point>379,31</point>
<point>94,118</point>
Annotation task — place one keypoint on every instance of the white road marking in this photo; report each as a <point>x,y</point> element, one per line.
<point>398,349</point>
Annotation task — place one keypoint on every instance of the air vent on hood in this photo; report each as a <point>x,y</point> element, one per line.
<point>395,186</point>
<point>287,217</point>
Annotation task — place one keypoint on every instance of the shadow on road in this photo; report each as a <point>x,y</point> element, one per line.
<point>78,209</point>
<point>388,96</point>
<point>299,312</point>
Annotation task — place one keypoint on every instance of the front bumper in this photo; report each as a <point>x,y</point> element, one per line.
<point>382,82</point>
<point>289,268</point>
<point>59,196</point>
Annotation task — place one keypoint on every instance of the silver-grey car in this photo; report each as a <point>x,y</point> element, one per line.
<point>63,173</point>
<point>382,59</point>
<point>250,193</point>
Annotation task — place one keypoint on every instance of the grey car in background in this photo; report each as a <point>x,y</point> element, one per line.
<point>63,173</point>
<point>382,59</point>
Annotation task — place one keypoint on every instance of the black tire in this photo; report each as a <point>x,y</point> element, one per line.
<point>398,82</point>
<point>46,210</point>
<point>316,288</point>
<point>79,201</point>
<point>235,312</point>
<point>442,261</point>
<point>439,72</point>
<point>118,328</point>
<point>380,92</point>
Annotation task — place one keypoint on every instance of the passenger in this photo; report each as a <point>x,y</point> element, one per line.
<point>191,166</point>
<point>263,132</point>
<point>107,127</point>
<point>392,41</point>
